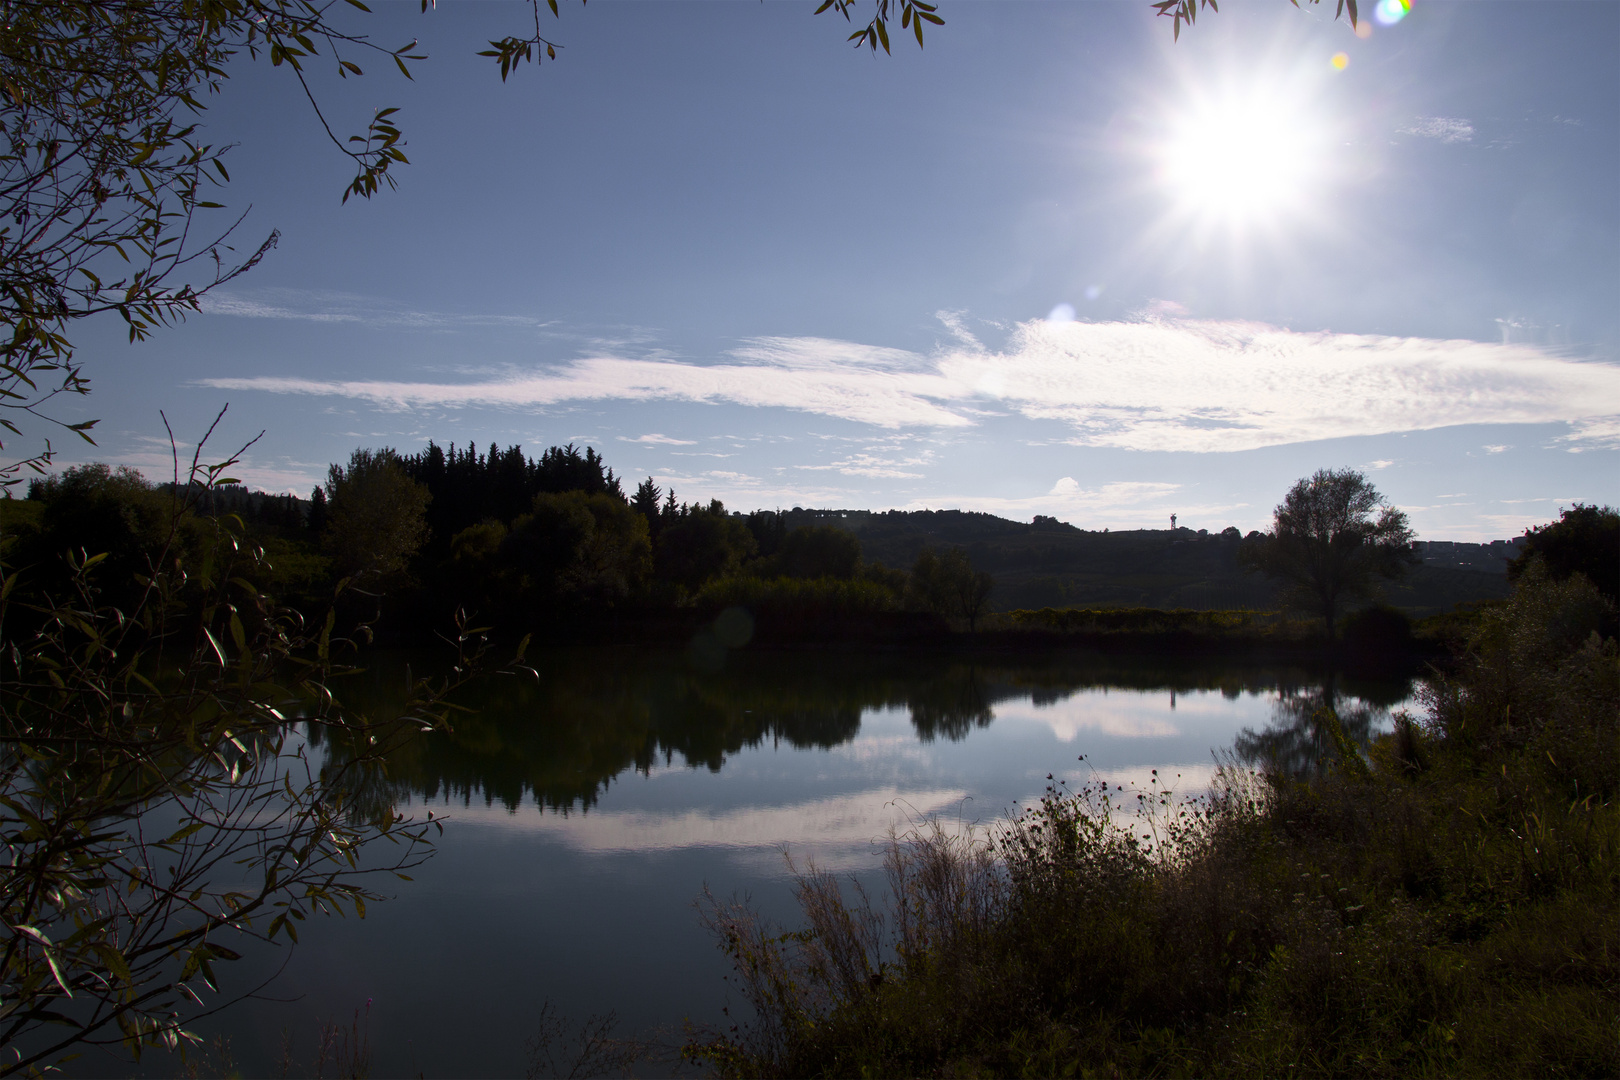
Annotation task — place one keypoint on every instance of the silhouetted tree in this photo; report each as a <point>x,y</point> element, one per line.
<point>948,585</point>
<point>817,551</point>
<point>316,522</point>
<point>376,518</point>
<point>574,546</point>
<point>1584,540</point>
<point>1333,537</point>
<point>476,577</point>
<point>701,543</point>
<point>645,502</point>
<point>500,485</point>
<point>769,529</point>
<point>98,510</point>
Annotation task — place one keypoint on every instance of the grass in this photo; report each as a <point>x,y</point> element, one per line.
<point>1447,904</point>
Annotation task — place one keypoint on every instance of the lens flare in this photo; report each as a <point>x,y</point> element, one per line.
<point>1390,12</point>
<point>1340,61</point>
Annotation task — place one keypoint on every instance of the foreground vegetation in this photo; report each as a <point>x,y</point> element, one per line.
<point>160,810</point>
<point>1448,904</point>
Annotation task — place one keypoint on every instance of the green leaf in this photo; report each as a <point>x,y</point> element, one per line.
<point>181,834</point>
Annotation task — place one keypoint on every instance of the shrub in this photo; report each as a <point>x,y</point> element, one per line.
<point>1379,630</point>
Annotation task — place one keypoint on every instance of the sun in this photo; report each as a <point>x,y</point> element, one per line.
<point>1239,161</point>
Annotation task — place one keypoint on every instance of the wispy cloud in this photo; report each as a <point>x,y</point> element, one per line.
<point>335,307</point>
<point>1201,386</point>
<point>1448,129</point>
<point>655,439</point>
<point>876,466</point>
<point>1149,384</point>
<point>882,387</point>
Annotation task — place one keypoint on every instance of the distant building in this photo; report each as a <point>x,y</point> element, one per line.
<point>1492,557</point>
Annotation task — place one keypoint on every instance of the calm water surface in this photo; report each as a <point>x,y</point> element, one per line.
<point>587,812</point>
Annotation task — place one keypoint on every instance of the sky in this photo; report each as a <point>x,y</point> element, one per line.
<point>1056,262</point>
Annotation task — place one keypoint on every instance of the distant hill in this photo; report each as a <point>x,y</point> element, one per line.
<point>1049,563</point>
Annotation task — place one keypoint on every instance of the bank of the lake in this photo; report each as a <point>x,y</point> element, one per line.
<point>1443,902</point>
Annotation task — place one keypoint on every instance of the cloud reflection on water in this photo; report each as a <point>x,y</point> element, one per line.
<point>839,831</point>
<point>1143,716</point>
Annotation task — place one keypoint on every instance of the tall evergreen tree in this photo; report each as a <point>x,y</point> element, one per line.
<point>316,521</point>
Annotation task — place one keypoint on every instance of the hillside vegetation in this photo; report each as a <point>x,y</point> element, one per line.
<point>1048,563</point>
<point>554,545</point>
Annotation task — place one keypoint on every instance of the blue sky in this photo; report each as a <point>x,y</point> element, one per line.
<point>1054,263</point>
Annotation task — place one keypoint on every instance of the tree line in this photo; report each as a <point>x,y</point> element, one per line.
<point>515,540</point>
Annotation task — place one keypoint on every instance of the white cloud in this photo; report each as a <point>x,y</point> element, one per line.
<point>1381,463</point>
<point>957,328</point>
<point>875,466</point>
<point>655,439</point>
<point>1448,129</point>
<point>334,307</point>
<point>1152,384</point>
<point>882,387</point>
<point>1496,448</point>
<point>1202,386</point>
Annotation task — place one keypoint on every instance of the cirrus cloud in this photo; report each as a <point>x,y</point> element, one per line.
<point>1448,129</point>
<point>832,378</point>
<point>1152,384</point>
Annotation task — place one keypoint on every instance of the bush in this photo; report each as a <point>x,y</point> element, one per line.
<point>1379,630</point>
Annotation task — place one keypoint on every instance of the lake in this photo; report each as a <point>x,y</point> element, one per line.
<point>588,809</point>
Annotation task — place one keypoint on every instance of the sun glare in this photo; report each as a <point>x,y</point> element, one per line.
<point>1239,161</point>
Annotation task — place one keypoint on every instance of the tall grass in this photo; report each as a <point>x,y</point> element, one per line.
<point>1448,904</point>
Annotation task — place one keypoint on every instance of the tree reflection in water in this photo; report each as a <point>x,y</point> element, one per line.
<point>1298,741</point>
<point>593,715</point>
